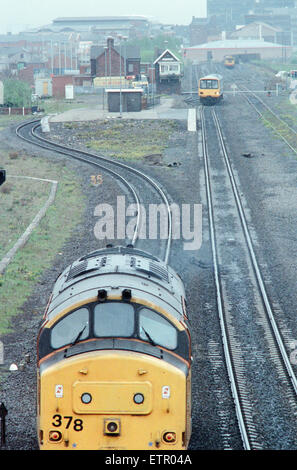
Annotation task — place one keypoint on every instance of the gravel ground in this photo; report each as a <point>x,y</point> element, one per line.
<point>267,184</point>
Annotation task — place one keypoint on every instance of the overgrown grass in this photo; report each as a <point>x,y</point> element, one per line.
<point>276,66</point>
<point>130,140</point>
<point>280,129</point>
<point>53,105</point>
<point>6,120</point>
<point>18,206</point>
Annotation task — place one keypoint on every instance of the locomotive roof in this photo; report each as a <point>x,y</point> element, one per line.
<point>212,76</point>
<point>116,268</point>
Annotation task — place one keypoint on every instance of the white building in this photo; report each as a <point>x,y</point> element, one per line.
<point>217,50</point>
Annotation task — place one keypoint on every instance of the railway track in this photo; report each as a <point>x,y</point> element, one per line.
<point>257,362</point>
<point>280,126</point>
<point>29,132</point>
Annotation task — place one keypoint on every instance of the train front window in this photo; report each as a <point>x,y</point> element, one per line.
<point>113,319</point>
<point>156,329</point>
<point>209,84</point>
<point>67,330</point>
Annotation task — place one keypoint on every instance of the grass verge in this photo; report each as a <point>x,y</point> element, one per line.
<point>287,112</point>
<point>129,140</point>
<point>19,203</point>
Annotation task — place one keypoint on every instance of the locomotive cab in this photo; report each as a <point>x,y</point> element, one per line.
<point>114,357</point>
<point>211,89</point>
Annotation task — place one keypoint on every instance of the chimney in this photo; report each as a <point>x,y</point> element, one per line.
<point>110,42</point>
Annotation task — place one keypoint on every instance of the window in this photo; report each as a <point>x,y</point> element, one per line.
<point>130,68</point>
<point>157,329</point>
<point>67,329</point>
<point>164,68</point>
<point>207,84</point>
<point>114,319</point>
<point>174,68</point>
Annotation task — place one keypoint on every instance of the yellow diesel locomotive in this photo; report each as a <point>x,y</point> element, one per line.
<point>114,356</point>
<point>210,89</point>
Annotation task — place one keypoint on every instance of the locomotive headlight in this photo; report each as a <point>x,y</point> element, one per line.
<point>138,398</point>
<point>169,437</point>
<point>55,436</point>
<point>86,398</point>
<point>112,427</point>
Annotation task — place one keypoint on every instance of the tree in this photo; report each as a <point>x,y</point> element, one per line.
<point>149,45</point>
<point>17,93</point>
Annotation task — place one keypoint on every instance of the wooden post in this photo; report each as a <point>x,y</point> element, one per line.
<point>3,413</point>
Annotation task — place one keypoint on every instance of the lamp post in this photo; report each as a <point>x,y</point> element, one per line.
<point>120,38</point>
<point>152,72</point>
<point>125,55</point>
<point>60,65</point>
<point>105,75</point>
<point>65,57</point>
<point>71,54</point>
<point>109,56</point>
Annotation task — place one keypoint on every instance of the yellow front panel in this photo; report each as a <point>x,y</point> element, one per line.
<point>212,93</point>
<point>112,378</point>
<point>112,397</point>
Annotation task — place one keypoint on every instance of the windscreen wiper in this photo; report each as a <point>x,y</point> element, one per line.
<point>149,337</point>
<point>78,336</point>
<point>76,339</point>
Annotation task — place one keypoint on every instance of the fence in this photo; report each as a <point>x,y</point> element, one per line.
<point>82,90</point>
<point>11,111</point>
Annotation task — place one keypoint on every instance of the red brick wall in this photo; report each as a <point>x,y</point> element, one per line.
<point>27,74</point>
<point>59,83</point>
<point>136,67</point>
<point>113,61</point>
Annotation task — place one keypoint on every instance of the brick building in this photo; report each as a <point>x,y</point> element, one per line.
<point>59,82</point>
<point>114,60</point>
<point>202,30</point>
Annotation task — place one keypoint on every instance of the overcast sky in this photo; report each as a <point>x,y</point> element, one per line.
<point>17,15</point>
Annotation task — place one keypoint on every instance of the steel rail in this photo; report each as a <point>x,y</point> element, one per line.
<point>219,294</point>
<point>128,168</point>
<point>261,284</point>
<point>139,174</point>
<point>116,175</point>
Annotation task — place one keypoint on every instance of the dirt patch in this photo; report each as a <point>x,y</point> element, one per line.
<point>128,140</point>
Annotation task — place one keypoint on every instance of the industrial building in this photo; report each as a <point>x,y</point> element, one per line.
<point>100,27</point>
<point>202,30</point>
<point>257,30</point>
<point>242,49</point>
<point>229,13</point>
